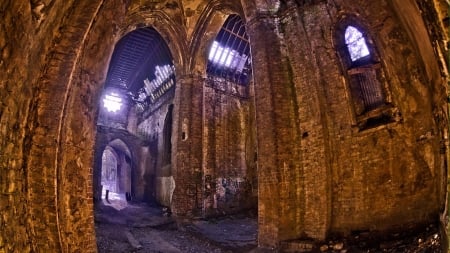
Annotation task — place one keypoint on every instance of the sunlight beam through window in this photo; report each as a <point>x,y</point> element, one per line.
<point>112,102</point>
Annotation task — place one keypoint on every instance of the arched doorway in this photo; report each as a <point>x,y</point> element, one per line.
<point>116,171</point>
<point>109,171</point>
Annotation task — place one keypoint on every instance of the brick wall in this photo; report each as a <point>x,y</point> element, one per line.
<point>56,108</point>
<point>373,172</point>
<point>229,169</point>
<point>187,159</point>
<point>347,179</point>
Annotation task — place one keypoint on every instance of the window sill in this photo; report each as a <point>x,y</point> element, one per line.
<point>377,118</point>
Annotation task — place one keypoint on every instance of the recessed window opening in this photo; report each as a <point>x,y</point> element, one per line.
<point>159,78</point>
<point>229,55</point>
<point>365,76</point>
<point>363,73</point>
<point>226,57</point>
<point>356,43</point>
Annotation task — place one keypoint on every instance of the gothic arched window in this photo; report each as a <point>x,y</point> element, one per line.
<point>356,43</point>
<point>365,77</point>
<point>229,54</point>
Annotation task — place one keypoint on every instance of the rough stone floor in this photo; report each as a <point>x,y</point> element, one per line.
<point>138,227</point>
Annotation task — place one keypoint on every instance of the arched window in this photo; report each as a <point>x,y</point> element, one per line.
<point>356,43</point>
<point>109,170</point>
<point>365,76</point>
<point>229,54</point>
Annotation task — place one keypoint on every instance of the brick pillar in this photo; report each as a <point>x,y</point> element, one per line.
<point>187,146</point>
<point>269,99</point>
<point>59,172</point>
<point>292,178</point>
<point>310,79</point>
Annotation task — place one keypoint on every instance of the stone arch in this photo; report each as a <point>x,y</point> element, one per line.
<point>171,32</point>
<point>175,37</point>
<point>123,178</point>
<point>76,57</point>
<point>65,162</point>
<point>209,24</point>
<point>119,144</point>
<point>122,181</point>
<point>413,21</point>
<point>128,151</point>
<point>417,26</point>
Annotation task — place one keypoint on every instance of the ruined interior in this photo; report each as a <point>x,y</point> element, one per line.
<point>328,117</point>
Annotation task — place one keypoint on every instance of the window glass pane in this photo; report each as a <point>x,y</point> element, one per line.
<point>356,43</point>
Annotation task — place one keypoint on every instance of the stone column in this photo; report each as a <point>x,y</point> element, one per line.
<point>187,145</point>
<point>268,78</point>
<point>292,182</point>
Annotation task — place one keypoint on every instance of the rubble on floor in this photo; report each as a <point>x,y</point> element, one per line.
<point>142,228</point>
<point>138,227</point>
<point>427,239</point>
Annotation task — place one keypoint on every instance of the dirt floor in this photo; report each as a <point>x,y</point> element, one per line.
<point>138,227</point>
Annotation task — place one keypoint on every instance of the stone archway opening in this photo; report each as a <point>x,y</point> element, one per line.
<point>109,172</point>
<point>133,181</point>
<point>136,106</point>
<point>116,172</point>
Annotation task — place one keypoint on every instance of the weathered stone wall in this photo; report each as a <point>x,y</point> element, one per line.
<point>400,164</point>
<point>280,175</point>
<point>342,171</point>
<point>203,21</point>
<point>158,172</point>
<point>17,77</point>
<point>229,149</point>
<point>187,149</point>
<point>38,57</point>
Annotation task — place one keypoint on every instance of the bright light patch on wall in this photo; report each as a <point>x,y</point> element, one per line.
<point>356,44</point>
<point>112,102</point>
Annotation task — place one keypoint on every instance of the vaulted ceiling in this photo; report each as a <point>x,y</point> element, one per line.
<point>141,65</point>
<point>135,57</point>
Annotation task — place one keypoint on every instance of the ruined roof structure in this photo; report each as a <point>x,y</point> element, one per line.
<point>328,117</point>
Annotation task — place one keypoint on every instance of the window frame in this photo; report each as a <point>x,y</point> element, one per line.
<point>231,39</point>
<point>363,116</point>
